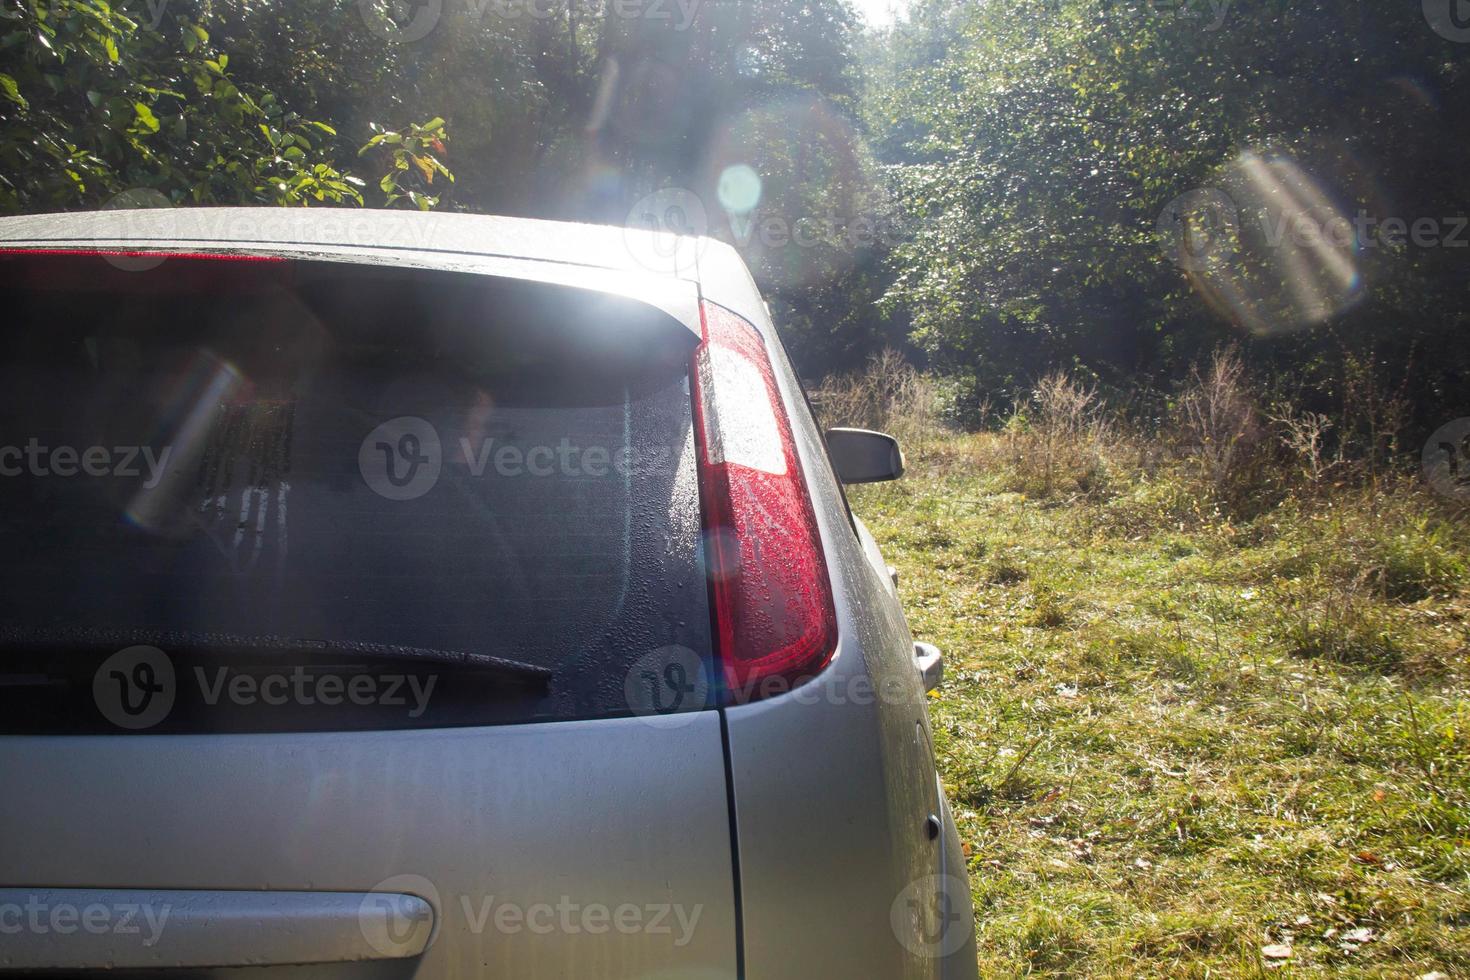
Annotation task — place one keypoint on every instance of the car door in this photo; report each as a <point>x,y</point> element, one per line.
<point>332,603</point>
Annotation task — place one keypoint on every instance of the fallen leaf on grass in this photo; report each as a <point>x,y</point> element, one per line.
<point>1276,951</point>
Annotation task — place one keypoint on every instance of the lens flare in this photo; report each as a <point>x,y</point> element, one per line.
<point>739,189</point>
<point>184,428</point>
<point>1288,258</point>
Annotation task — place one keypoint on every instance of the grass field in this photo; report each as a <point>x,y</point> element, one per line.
<point>1183,744</point>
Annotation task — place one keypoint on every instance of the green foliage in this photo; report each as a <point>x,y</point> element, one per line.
<point>98,103</point>
<point>1037,143</point>
<point>413,162</point>
<point>1016,156</point>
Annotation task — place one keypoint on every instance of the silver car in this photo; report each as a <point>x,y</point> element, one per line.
<point>443,596</point>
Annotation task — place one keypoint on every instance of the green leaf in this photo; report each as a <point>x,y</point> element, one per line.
<point>111,47</point>
<point>323,127</point>
<point>12,91</point>
<point>146,119</point>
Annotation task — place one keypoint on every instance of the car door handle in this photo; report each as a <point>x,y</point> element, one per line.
<point>930,661</point>
<point>145,929</point>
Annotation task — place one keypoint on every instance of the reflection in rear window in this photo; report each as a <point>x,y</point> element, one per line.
<point>316,452</point>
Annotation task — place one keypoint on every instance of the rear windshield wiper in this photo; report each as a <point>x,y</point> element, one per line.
<point>62,640</point>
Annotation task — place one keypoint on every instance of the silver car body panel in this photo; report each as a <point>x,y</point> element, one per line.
<point>582,815</point>
<point>366,231</point>
<point>824,822</point>
<point>834,783</point>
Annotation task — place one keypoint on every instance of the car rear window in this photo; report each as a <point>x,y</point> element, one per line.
<point>355,457</point>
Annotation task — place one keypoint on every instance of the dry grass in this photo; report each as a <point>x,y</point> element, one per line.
<point>1221,425</point>
<point>1220,444</point>
<point>1174,737</point>
<point>888,395</point>
<point>1206,687</point>
<point>1061,441</point>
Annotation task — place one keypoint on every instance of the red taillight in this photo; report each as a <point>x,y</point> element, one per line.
<point>774,620</point>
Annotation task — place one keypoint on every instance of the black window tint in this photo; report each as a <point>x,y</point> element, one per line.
<point>324,454</point>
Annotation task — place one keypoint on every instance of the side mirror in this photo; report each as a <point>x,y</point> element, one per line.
<point>860,456</point>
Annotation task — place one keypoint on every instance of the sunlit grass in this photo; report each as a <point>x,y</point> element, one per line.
<point>1174,741</point>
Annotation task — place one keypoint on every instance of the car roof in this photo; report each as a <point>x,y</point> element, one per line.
<point>597,246</point>
<point>657,268</point>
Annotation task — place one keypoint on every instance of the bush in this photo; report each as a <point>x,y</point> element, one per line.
<point>888,395</point>
<point>1304,437</point>
<point>1220,425</point>
<point>961,402</point>
<point>1060,442</point>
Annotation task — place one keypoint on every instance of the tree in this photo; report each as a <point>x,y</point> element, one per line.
<point>96,104</point>
<point>1039,145</point>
